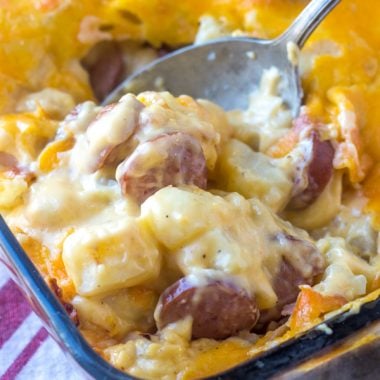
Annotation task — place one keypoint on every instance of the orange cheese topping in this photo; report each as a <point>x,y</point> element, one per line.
<point>42,42</point>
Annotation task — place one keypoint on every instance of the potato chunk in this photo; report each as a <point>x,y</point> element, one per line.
<point>177,216</point>
<point>110,256</point>
<point>323,210</point>
<point>253,174</point>
<point>206,233</point>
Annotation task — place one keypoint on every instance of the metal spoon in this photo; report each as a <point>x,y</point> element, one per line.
<point>227,70</point>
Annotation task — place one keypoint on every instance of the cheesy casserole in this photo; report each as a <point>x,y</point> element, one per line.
<point>183,239</point>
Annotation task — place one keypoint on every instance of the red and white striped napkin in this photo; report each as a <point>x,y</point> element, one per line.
<point>26,350</point>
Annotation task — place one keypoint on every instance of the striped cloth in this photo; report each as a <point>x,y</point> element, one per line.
<point>26,350</point>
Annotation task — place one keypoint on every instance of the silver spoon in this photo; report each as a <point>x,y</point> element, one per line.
<point>227,70</point>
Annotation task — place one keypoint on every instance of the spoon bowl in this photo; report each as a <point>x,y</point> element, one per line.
<point>226,71</point>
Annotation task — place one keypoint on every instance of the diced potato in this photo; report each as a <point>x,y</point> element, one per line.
<point>253,174</point>
<point>151,358</point>
<point>177,215</point>
<point>11,191</point>
<point>339,280</point>
<point>229,251</point>
<point>338,252</point>
<point>120,312</point>
<point>216,250</point>
<point>53,204</point>
<point>243,131</point>
<point>218,119</point>
<point>101,315</point>
<point>323,210</point>
<point>355,227</point>
<point>111,256</point>
<point>134,304</point>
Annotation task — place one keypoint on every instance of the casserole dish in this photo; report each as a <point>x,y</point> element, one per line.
<point>267,365</point>
<point>132,211</point>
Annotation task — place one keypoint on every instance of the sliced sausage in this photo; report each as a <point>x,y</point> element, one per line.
<point>300,251</point>
<point>169,159</point>
<point>301,264</point>
<point>11,168</point>
<point>105,67</point>
<point>287,282</point>
<point>8,160</point>
<point>317,171</point>
<point>219,308</point>
<point>111,131</point>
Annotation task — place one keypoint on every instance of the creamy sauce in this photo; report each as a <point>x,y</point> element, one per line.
<point>111,248</point>
<point>112,257</point>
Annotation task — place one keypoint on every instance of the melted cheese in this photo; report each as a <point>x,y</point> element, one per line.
<point>231,236</point>
<point>339,280</point>
<point>342,87</point>
<point>111,128</point>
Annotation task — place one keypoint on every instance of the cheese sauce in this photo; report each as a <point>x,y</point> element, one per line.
<point>223,210</point>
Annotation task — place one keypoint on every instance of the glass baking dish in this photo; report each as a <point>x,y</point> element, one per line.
<point>266,365</point>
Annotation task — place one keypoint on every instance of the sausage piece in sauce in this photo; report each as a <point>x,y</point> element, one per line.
<point>11,168</point>
<point>111,130</point>
<point>316,173</point>
<point>105,67</point>
<point>219,308</point>
<point>169,159</point>
<point>301,264</point>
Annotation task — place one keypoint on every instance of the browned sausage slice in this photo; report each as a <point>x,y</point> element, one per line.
<point>170,159</point>
<point>286,286</point>
<point>111,131</point>
<point>318,172</point>
<point>309,264</point>
<point>10,168</point>
<point>105,67</point>
<point>219,308</point>
<point>8,160</point>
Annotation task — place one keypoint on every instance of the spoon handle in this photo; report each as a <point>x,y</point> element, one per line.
<point>308,20</point>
